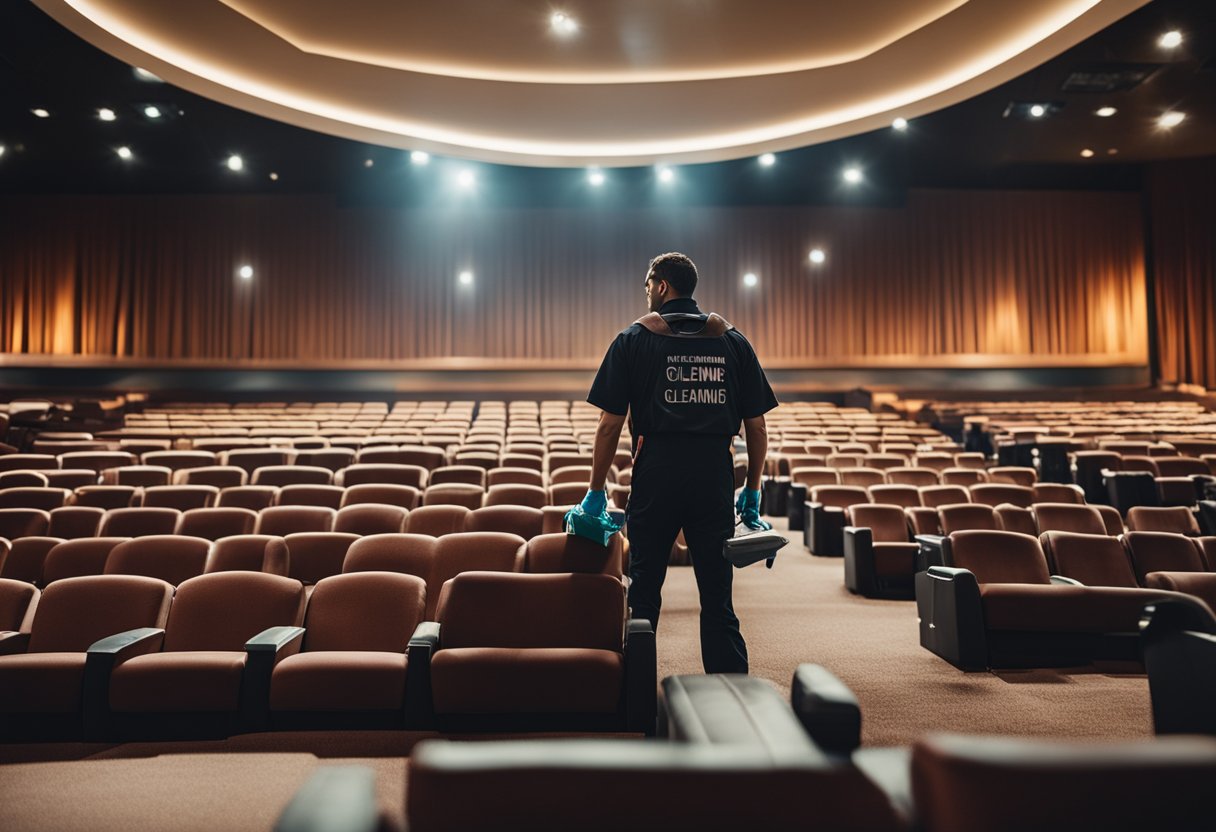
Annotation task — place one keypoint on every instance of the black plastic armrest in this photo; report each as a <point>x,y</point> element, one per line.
<point>12,643</point>
<point>641,677</point>
<point>951,616</point>
<point>333,799</point>
<point>1161,618</point>
<point>932,551</point>
<point>859,572</point>
<point>262,653</point>
<point>827,709</point>
<point>419,703</point>
<point>1064,580</point>
<point>99,663</point>
<point>947,573</point>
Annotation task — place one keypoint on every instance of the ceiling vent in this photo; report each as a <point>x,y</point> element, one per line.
<point>1107,78</point>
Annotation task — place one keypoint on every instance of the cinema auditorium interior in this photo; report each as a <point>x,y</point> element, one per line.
<point>301,307</point>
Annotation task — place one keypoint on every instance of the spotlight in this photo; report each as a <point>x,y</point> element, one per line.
<point>900,124</point>
<point>2,150</point>
<point>1170,118</point>
<point>274,177</point>
<point>235,163</point>
<point>465,278</point>
<point>466,179</point>
<point>1038,110</point>
<point>1112,151</point>
<point>245,272</point>
<point>1087,153</point>
<point>152,111</point>
<point>106,114</point>
<point>124,153</point>
<point>596,178</point>
<point>750,280</point>
<point>666,174</point>
<point>852,175</point>
<point>1170,40</point>
<point>1105,112</point>
<point>367,163</point>
<point>563,23</point>
<point>767,160</point>
<point>40,112</point>
<point>420,157</point>
<point>143,75</point>
<point>817,256</point>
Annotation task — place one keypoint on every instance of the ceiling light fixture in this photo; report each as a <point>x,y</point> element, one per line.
<point>2,150</point>
<point>1087,153</point>
<point>852,175</point>
<point>596,178</point>
<point>666,174</point>
<point>420,157</point>
<point>143,75</point>
<point>1038,110</point>
<point>563,23</point>
<point>466,179</point>
<point>1105,112</point>
<point>235,163</point>
<point>767,160</point>
<point>245,272</point>
<point>367,163</point>
<point>900,124</point>
<point>152,111</point>
<point>1170,118</point>
<point>465,278</point>
<point>1170,40</point>
<point>106,114</point>
<point>124,153</point>
<point>817,256</point>
<point>41,113</point>
<point>274,177</point>
<point>750,280</point>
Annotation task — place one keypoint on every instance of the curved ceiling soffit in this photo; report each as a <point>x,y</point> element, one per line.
<point>210,48</point>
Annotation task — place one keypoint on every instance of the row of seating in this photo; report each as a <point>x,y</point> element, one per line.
<point>240,536</point>
<point>127,657</point>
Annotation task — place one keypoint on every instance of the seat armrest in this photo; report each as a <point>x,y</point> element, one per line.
<point>1162,618</point>
<point>12,643</point>
<point>827,709</point>
<point>262,653</point>
<point>333,799</point>
<point>100,660</point>
<point>932,551</point>
<point>859,571</point>
<point>641,677</point>
<point>1063,580</point>
<point>419,703</point>
<point>951,616</point>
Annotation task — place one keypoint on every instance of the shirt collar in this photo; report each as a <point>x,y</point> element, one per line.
<point>680,305</point>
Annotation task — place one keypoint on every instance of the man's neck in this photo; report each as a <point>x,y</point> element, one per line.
<point>680,305</point>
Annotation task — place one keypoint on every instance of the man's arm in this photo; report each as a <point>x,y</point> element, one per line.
<point>756,434</point>
<point>607,435</point>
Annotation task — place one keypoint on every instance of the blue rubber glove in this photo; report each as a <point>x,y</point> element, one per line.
<point>748,506</point>
<point>595,503</point>
<point>590,519</point>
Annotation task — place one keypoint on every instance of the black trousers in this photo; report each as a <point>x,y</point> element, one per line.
<point>683,481</point>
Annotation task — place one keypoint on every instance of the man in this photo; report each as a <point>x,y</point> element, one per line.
<point>687,380</point>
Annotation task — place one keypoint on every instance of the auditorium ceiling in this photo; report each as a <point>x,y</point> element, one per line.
<point>320,94</point>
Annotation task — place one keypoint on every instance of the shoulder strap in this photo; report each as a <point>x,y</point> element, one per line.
<point>715,326</point>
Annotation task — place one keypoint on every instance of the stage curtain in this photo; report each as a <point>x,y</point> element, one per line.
<point>1182,215</point>
<point>1034,277</point>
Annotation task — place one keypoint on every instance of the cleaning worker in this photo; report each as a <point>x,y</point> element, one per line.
<point>687,381</point>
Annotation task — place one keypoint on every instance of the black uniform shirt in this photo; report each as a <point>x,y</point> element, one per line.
<point>682,385</point>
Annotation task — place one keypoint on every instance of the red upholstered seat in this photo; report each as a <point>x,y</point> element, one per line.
<point>1064,608</point>
<point>1092,559</point>
<point>405,496</point>
<point>437,520</point>
<point>199,680</point>
<point>537,680</point>
<point>214,523</point>
<point>339,681</point>
<point>568,553</point>
<point>524,521</point>
<point>371,518</point>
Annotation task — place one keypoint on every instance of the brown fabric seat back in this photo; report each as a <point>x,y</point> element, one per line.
<point>106,496</point>
<point>23,479</point>
<point>578,474</point>
<point>471,552</point>
<point>18,601</point>
<point>334,459</point>
<point>935,496</point>
<point>383,474</point>
<point>74,522</point>
<point>408,554</point>
<point>1175,519</point>
<point>1111,519</point>
<point>887,523</point>
<point>483,459</point>
<point>522,460</point>
<point>918,477</point>
<point>1000,557</point>
<point>252,497</point>
<point>1202,585</point>
<point>34,497</point>
<point>812,475</point>
<point>466,474</point>
<point>838,496</point>
<point>139,522</point>
<point>566,494</point>
<point>223,610</point>
<point>312,556</point>
<point>514,476</point>
<point>437,520</point>
<point>1054,492</point>
<point>95,460</point>
<point>180,497</point>
<point>325,496</point>
<point>26,558</point>
<point>553,519</point>
<point>371,518</point>
<point>1017,519</point>
<point>967,516</point>
<point>994,494</point>
<point>285,520</point>
<point>220,476</point>
<point>23,522</point>
<point>28,462</point>
<point>998,784</point>
<point>143,476</point>
<point>863,477</point>
<point>179,460</point>
<point>251,459</point>
<point>171,558</point>
<point>1180,466</point>
<point>568,553</point>
<point>557,461</point>
<point>494,609</point>
<point>520,520</point>
<point>75,612</point>
<point>74,558</point>
<point>904,496</point>
<point>532,496</point>
<point>1062,517</point>
<point>1092,559</point>
<point>1163,552</point>
<point>281,475</point>
<point>455,494</point>
<point>964,476</point>
<point>376,611</point>
<point>1016,475</point>
<point>405,496</point>
<point>214,523</point>
<point>250,553</point>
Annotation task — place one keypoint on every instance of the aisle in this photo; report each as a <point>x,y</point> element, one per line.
<point>801,612</point>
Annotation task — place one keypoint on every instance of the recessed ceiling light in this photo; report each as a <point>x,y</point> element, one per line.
<point>596,178</point>
<point>420,157</point>
<point>2,150</point>
<point>817,255</point>
<point>666,174</point>
<point>152,111</point>
<point>1105,112</point>
<point>106,114</point>
<point>1038,110</point>
<point>750,280</point>
<point>852,175</point>
<point>1112,151</point>
<point>768,160</point>
<point>41,113</point>
<point>1171,118</point>
<point>1170,40</point>
<point>124,153</point>
<point>1087,153</point>
<point>465,278</point>
<point>367,163</point>
<point>235,163</point>
<point>274,177</point>
<point>466,179</point>
<point>143,75</point>
<point>900,124</point>
<point>245,272</point>
<point>563,23</point>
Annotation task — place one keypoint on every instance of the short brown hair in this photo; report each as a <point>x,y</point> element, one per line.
<point>677,269</point>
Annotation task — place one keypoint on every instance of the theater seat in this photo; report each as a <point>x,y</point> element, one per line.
<point>23,522</point>
<point>1064,517</point>
<point>382,474</point>
<point>1092,559</point>
<point>370,518</point>
<point>326,496</point>
<point>180,497</point>
<point>968,516</point>
<point>106,496</point>
<point>44,499</point>
<point>466,474</point>
<point>1052,492</point>
<point>519,520</point>
<point>514,475</point>
<point>351,672</point>
<point>18,600</point>
<point>253,497</point>
<point>313,556</point>
<point>171,558</point>
<point>285,520</point>
<point>405,496</point>
<point>548,553</point>
<point>531,496</point>
<point>1163,552</point>
<point>26,558</point>
<point>437,520</point>
<point>825,517</point>
<point>995,494</point>
<point>935,496</point>
<point>455,494</point>
<point>879,554</point>
<point>76,558</point>
<point>219,476</point>
<point>249,553</point>
<point>138,522</point>
<point>74,522</point>
<point>41,683</point>
<point>566,494</point>
<point>1175,519</point>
